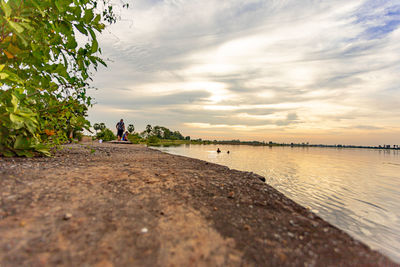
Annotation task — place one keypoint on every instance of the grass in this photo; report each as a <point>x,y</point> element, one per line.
<point>153,141</point>
<point>166,142</point>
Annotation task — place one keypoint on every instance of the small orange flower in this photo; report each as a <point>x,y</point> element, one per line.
<point>49,132</point>
<point>8,54</point>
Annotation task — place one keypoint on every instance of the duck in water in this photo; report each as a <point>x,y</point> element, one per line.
<point>218,151</point>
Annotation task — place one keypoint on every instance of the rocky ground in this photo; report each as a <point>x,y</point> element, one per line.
<point>128,205</point>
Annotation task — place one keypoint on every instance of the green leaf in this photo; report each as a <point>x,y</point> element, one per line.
<point>27,26</point>
<point>15,26</point>
<point>25,153</point>
<point>2,67</point>
<point>13,49</point>
<point>3,75</point>
<point>38,7</point>
<point>14,102</point>
<point>77,10</point>
<point>13,77</point>
<point>72,44</point>
<point>101,61</point>
<point>61,5</point>
<point>16,119</point>
<point>42,149</point>
<point>6,8</point>
<point>88,17</point>
<point>24,42</point>
<point>8,153</point>
<point>21,142</point>
<point>16,122</point>
<point>31,126</point>
<point>81,28</point>
<point>97,19</point>
<point>65,28</point>
<point>95,46</point>
<point>61,69</point>
<point>65,61</point>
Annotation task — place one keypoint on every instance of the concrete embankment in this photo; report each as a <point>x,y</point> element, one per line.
<point>128,205</point>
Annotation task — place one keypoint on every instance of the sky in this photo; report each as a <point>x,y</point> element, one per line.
<point>323,72</point>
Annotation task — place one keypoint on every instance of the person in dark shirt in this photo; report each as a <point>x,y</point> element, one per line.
<point>120,129</point>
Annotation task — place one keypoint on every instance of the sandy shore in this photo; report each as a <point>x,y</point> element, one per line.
<point>127,205</point>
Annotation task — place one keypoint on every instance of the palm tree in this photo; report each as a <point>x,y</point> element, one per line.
<point>131,128</point>
<point>96,127</point>
<point>148,129</point>
<point>102,126</point>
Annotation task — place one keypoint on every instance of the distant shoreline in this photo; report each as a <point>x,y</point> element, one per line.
<point>257,143</point>
<point>313,145</point>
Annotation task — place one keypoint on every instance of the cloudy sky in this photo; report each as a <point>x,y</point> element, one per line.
<point>281,70</point>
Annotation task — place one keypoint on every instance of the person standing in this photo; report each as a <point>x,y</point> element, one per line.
<point>120,129</point>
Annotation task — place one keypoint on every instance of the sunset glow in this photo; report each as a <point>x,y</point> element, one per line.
<point>287,71</point>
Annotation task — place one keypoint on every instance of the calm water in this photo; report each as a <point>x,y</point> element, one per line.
<point>357,190</point>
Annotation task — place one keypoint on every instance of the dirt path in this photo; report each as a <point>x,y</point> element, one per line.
<point>127,205</point>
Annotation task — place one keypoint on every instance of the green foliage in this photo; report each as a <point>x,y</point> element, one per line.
<point>18,127</point>
<point>151,140</point>
<point>78,135</point>
<point>106,135</point>
<point>167,143</point>
<point>164,133</point>
<point>44,72</point>
<point>135,138</point>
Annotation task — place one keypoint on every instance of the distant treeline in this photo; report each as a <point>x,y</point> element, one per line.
<point>270,143</point>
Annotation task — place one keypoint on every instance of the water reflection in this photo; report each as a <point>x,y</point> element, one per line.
<point>354,189</point>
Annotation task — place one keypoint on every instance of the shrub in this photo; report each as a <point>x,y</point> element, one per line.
<point>106,135</point>
<point>134,138</point>
<point>48,51</point>
<point>78,135</point>
<point>151,140</point>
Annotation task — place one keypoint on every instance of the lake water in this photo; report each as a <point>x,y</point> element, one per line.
<point>357,190</point>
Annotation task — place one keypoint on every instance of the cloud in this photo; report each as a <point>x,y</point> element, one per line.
<point>124,99</point>
<point>367,127</point>
<point>287,65</point>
